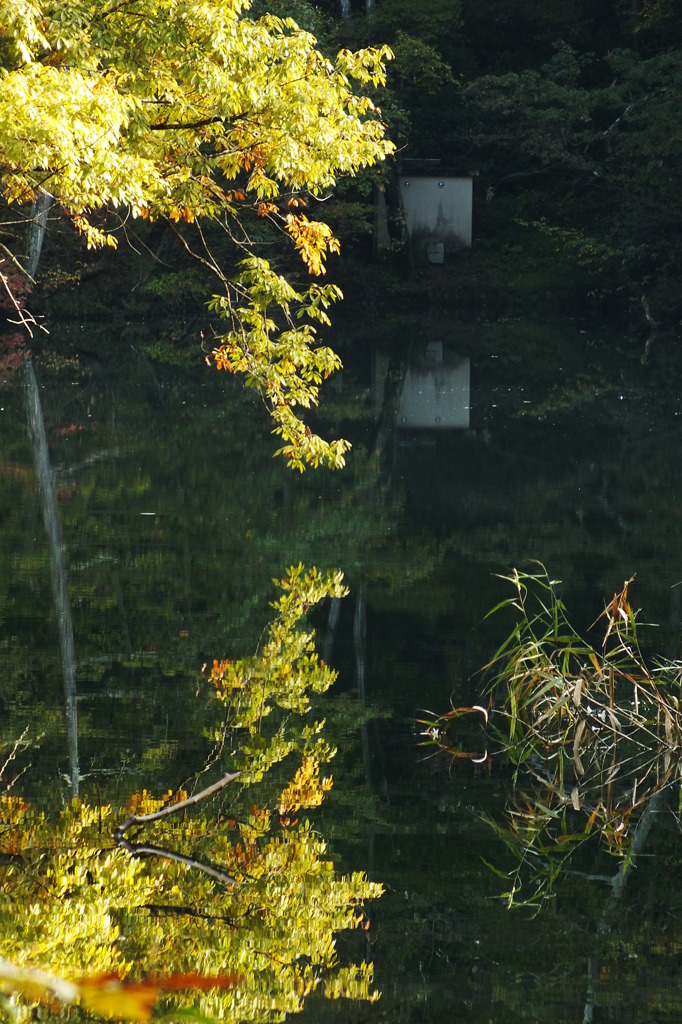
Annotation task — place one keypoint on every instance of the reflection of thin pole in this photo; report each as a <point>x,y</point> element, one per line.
<point>359,640</point>
<point>60,591</point>
<point>359,630</point>
<point>394,382</point>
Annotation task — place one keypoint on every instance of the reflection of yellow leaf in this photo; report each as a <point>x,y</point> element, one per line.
<point>115,998</point>
<point>104,994</point>
<point>306,789</point>
<point>199,981</point>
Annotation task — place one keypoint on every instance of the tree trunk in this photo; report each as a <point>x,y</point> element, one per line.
<point>36,230</point>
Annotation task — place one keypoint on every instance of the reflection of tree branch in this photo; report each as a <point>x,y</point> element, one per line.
<point>19,744</point>
<point>173,911</point>
<point>618,882</point>
<point>638,840</point>
<point>148,850</point>
<point>145,850</point>
<point>181,805</point>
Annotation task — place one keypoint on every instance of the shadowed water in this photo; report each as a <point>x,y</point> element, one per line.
<point>175,519</point>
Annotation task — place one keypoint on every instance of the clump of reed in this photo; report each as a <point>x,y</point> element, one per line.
<point>593,733</point>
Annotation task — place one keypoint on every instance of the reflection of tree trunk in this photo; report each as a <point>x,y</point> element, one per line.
<point>36,230</point>
<point>123,617</point>
<point>588,1012</point>
<point>618,883</point>
<point>393,389</point>
<point>60,592</point>
<point>332,626</point>
<point>638,840</point>
<point>345,9</point>
<point>359,633</point>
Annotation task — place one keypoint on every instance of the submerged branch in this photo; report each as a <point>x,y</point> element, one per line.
<point>639,839</point>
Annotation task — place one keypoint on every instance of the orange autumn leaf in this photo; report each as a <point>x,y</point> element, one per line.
<point>104,994</point>
<point>312,239</point>
<point>265,209</point>
<point>134,1000</point>
<point>182,213</point>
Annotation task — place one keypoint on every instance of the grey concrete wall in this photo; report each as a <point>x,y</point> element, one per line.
<point>437,210</point>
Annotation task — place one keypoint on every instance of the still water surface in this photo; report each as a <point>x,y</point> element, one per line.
<point>175,519</point>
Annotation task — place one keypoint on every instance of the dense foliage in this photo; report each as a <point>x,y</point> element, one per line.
<point>197,114</point>
<point>567,114</point>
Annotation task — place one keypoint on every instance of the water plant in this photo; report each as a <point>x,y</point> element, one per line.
<point>592,734</point>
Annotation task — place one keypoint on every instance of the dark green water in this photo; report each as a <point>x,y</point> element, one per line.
<point>175,519</point>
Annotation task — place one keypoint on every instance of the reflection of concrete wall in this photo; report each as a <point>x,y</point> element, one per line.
<point>436,392</point>
<point>437,212</point>
<point>382,236</point>
<point>436,396</point>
